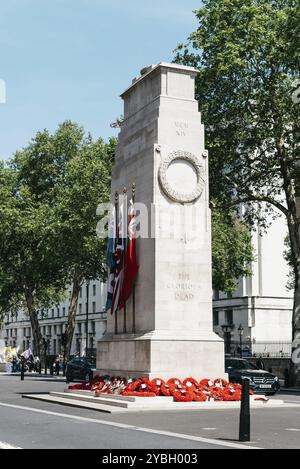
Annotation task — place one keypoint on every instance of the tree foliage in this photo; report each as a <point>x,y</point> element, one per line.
<point>60,179</point>
<point>247,53</point>
<point>232,251</point>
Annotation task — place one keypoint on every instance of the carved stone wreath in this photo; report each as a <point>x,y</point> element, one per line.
<point>168,190</point>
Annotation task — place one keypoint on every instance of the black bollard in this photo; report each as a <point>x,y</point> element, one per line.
<point>245,412</point>
<point>22,370</point>
<point>286,378</point>
<point>40,368</point>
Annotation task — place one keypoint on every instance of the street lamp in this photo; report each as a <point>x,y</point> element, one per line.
<point>227,328</point>
<point>241,331</point>
<point>87,318</point>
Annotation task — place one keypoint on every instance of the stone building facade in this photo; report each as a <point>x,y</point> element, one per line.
<point>16,328</point>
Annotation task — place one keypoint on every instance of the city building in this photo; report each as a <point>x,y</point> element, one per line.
<point>16,327</point>
<point>258,314</point>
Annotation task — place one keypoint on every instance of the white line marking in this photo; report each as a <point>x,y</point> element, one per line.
<point>134,428</point>
<point>292,429</point>
<point>7,446</point>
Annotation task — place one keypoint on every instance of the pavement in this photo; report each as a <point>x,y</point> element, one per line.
<point>36,424</point>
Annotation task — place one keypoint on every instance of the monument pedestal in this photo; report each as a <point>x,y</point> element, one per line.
<point>161,150</point>
<point>155,355</point>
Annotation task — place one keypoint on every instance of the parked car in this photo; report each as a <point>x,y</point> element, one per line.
<point>260,381</point>
<point>80,368</point>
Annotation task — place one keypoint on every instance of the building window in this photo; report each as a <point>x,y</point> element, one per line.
<point>229,316</point>
<point>91,342</point>
<point>64,311</point>
<point>94,306</point>
<point>80,293</point>
<point>53,312</point>
<point>94,290</point>
<point>24,332</point>
<point>80,308</point>
<point>93,327</point>
<point>58,312</point>
<point>44,330</point>
<point>55,329</point>
<point>79,327</point>
<point>216,318</point>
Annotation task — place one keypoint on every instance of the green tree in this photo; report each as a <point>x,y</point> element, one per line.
<point>30,277</point>
<point>247,53</point>
<point>70,172</point>
<point>232,251</point>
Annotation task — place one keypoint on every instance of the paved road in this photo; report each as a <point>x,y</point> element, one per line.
<point>34,424</point>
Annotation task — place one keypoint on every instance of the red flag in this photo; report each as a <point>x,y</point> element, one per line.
<point>131,265</point>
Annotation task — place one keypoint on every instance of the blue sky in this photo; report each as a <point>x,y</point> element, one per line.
<point>71,59</point>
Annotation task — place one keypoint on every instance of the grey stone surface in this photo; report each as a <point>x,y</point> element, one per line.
<point>161,149</point>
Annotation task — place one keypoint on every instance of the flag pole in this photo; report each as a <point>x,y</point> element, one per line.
<point>116,232</point>
<point>133,290</point>
<point>124,254</point>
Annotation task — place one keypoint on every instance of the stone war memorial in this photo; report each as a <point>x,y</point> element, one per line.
<point>161,150</point>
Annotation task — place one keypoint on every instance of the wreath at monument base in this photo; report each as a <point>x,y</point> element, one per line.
<point>187,390</point>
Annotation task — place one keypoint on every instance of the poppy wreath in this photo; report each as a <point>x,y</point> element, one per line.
<point>104,390</point>
<point>97,386</point>
<point>157,383</point>
<point>186,391</point>
<point>133,385</point>
<point>145,386</point>
<point>219,382</point>
<point>183,395</point>
<point>175,382</point>
<point>165,390</point>
<point>138,394</point>
<point>191,383</point>
<point>199,396</point>
<point>75,386</point>
<point>206,383</point>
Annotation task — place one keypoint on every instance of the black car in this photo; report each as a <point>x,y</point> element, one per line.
<point>81,369</point>
<point>261,381</point>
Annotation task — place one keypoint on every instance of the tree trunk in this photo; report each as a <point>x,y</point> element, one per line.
<point>295,243</point>
<point>36,333</point>
<point>77,282</point>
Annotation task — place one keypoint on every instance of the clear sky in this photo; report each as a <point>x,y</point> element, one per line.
<point>71,59</point>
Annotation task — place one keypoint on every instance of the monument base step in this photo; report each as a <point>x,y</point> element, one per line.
<point>115,403</point>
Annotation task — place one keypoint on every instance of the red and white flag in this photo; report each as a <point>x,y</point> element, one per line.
<point>130,264</point>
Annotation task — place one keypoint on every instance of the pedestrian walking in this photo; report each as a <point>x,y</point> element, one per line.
<point>260,364</point>
<point>57,365</point>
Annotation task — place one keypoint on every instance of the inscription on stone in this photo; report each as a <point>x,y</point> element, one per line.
<point>184,289</point>
<point>180,127</point>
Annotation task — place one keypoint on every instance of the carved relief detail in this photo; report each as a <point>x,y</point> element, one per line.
<point>172,193</point>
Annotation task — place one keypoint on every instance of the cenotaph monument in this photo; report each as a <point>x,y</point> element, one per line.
<point>168,330</point>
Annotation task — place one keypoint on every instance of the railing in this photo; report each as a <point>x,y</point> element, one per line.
<point>264,349</point>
